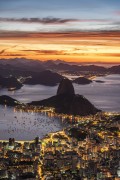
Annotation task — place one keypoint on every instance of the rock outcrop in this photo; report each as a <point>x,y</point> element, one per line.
<point>67,102</point>
<point>65,87</point>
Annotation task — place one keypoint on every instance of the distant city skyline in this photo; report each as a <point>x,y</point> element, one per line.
<point>74,30</point>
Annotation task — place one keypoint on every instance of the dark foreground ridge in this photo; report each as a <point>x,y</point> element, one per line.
<point>10,83</point>
<point>47,78</point>
<point>67,102</point>
<point>6,100</point>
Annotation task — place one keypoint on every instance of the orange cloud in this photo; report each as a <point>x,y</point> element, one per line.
<point>71,46</point>
<point>48,52</point>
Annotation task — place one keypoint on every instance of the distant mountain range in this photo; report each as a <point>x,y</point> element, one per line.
<point>20,67</point>
<point>26,67</point>
<point>48,73</point>
<point>69,67</point>
<point>80,68</point>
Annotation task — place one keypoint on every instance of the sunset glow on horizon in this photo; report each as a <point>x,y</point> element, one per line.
<point>43,30</point>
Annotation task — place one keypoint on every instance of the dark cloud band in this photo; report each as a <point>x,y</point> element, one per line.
<point>39,20</point>
<point>50,20</point>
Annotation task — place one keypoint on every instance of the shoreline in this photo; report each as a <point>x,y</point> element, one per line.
<point>109,114</point>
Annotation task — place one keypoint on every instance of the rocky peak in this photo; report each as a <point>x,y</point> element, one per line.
<point>65,87</point>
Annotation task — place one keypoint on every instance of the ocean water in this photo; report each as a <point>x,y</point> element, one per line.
<point>26,126</point>
<point>105,96</point>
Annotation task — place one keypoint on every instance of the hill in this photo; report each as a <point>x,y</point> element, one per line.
<point>6,100</point>
<point>82,80</point>
<point>10,83</point>
<point>67,102</point>
<point>47,78</point>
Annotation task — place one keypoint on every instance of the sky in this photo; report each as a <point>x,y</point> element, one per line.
<point>71,30</point>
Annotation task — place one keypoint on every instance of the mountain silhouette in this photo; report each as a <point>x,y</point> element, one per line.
<point>10,82</point>
<point>6,100</point>
<point>65,87</point>
<point>47,78</point>
<point>82,80</point>
<point>67,102</point>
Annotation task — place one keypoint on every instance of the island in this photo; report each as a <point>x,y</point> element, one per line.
<point>82,80</point>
